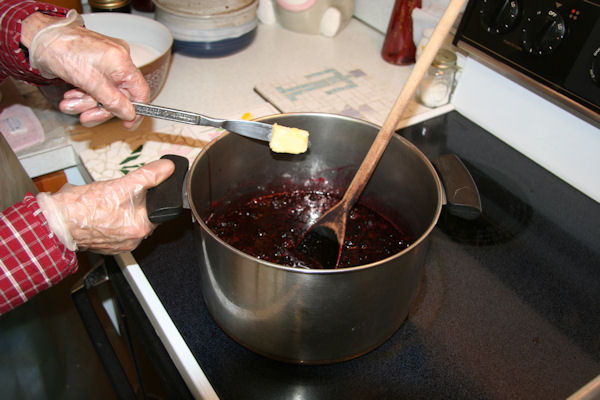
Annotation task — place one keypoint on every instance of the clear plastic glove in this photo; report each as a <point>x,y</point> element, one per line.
<point>106,217</point>
<point>99,66</point>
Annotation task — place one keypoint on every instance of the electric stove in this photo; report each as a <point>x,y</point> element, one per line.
<point>508,304</point>
<point>551,47</point>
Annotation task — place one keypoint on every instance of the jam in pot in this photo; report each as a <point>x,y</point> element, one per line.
<point>270,226</point>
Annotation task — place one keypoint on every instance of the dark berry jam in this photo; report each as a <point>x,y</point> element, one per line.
<point>271,226</point>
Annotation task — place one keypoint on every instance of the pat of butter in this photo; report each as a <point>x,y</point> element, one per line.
<point>288,140</point>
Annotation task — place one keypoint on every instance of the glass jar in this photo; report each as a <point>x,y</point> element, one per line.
<point>123,6</point>
<point>437,84</point>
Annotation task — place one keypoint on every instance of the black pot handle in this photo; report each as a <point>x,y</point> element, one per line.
<point>462,196</point>
<point>165,201</point>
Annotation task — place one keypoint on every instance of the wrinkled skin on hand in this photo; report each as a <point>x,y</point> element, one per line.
<point>99,66</point>
<point>110,217</point>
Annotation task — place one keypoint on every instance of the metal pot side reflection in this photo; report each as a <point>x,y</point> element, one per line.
<point>313,316</point>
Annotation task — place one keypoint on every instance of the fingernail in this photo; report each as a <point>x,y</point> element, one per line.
<point>70,106</point>
<point>75,94</point>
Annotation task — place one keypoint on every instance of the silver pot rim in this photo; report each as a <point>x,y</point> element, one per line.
<point>424,236</point>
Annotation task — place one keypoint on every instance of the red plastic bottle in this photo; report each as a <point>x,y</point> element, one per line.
<point>398,46</point>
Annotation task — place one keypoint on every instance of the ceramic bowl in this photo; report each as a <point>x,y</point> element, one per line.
<point>150,44</point>
<point>209,28</point>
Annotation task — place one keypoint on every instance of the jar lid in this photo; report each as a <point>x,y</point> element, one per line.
<point>444,59</point>
<point>204,8</point>
<point>108,4</point>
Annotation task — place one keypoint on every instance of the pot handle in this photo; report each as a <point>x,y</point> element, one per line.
<point>165,201</point>
<point>462,196</point>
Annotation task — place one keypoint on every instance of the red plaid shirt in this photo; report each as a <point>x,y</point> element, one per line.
<point>31,257</point>
<point>13,59</point>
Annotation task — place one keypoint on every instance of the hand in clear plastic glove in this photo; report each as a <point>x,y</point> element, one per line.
<point>106,217</point>
<point>99,66</point>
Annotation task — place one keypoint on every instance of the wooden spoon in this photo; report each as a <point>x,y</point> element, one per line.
<point>323,241</point>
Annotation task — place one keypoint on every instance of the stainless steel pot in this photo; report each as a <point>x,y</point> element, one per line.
<point>313,316</point>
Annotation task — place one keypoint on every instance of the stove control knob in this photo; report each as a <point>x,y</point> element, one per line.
<point>499,16</point>
<point>543,32</point>
<point>595,67</point>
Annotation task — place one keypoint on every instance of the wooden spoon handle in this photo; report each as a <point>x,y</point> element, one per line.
<point>391,122</point>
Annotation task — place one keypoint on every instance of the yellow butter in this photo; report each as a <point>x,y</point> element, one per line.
<point>288,140</point>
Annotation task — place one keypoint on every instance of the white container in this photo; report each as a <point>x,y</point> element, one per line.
<point>20,127</point>
<point>324,17</point>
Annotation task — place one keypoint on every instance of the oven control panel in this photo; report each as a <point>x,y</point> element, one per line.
<point>551,46</point>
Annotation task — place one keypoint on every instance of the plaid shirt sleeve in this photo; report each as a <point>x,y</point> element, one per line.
<point>13,57</point>
<point>31,257</point>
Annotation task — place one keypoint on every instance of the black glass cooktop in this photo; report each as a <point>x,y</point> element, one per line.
<point>508,305</point>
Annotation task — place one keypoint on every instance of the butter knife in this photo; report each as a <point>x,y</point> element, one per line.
<point>251,129</point>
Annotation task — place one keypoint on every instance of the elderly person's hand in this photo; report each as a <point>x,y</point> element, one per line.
<point>99,66</point>
<point>107,217</point>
